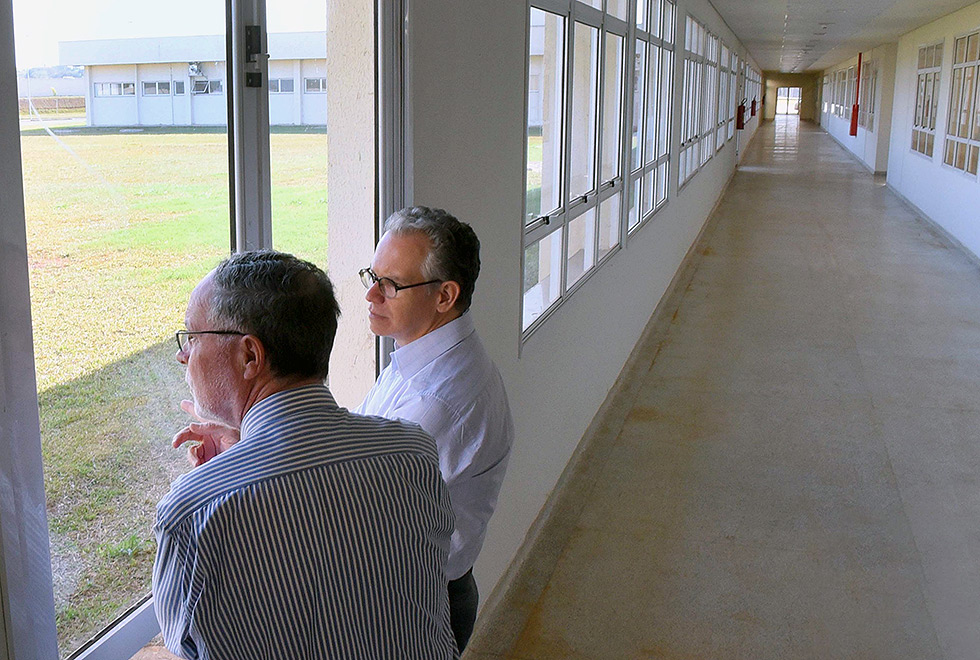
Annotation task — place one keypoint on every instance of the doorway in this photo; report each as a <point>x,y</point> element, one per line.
<point>788,100</point>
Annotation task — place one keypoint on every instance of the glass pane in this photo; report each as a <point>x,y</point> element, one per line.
<point>609,224</point>
<point>971,47</point>
<point>966,106</point>
<point>954,102</point>
<point>633,217</point>
<point>648,190</point>
<point>665,101</point>
<point>585,81</point>
<point>592,3</point>
<point>938,55</point>
<point>960,163</point>
<point>542,276</point>
<point>640,12</point>
<point>618,8</point>
<point>950,152</point>
<point>544,114</point>
<point>976,111</point>
<point>581,246</point>
<point>298,139</point>
<point>662,183</point>
<point>639,87</point>
<point>653,22</point>
<point>667,23</point>
<point>935,101</point>
<point>122,222</point>
<point>960,51</point>
<point>930,139</point>
<point>922,58</point>
<point>612,107</point>
<point>972,163</point>
<point>652,103</point>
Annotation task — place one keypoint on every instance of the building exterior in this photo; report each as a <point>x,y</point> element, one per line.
<point>181,81</point>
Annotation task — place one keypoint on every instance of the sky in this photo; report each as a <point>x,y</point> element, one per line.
<point>40,24</point>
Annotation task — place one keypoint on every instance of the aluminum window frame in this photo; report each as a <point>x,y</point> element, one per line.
<point>573,207</point>
<point>970,142</point>
<point>925,101</point>
<point>27,628</point>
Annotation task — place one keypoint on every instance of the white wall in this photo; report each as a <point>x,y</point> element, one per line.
<point>945,195</point>
<point>468,104</point>
<point>870,147</point>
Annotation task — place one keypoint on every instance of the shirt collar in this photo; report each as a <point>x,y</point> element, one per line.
<point>408,360</point>
<point>278,404</point>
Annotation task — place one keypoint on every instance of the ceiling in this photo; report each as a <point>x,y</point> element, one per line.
<point>797,36</point>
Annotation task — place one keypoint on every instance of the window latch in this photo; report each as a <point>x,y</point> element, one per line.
<point>254,56</point>
<point>543,221</point>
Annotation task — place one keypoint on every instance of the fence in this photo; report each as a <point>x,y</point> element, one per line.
<point>52,104</point>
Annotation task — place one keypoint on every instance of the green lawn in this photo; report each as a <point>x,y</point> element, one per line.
<point>121,226</point>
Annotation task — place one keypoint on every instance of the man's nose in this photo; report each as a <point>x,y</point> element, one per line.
<point>374,294</point>
<point>181,356</point>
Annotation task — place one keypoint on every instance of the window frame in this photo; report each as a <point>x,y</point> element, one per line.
<point>27,618</point>
<point>579,205</point>
<point>275,86</point>
<point>925,101</point>
<point>321,85</point>
<point>99,87</point>
<point>970,98</point>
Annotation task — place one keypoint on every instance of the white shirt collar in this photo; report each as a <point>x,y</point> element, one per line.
<point>407,360</point>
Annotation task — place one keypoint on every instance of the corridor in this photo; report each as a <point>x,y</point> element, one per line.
<point>789,467</point>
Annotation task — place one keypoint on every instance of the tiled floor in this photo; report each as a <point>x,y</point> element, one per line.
<point>792,472</point>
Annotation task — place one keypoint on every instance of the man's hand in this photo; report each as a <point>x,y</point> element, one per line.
<point>204,439</point>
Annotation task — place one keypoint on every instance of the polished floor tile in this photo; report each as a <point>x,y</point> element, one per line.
<point>796,472</point>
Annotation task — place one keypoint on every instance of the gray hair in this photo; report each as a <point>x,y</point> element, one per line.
<point>454,249</point>
<point>286,302</point>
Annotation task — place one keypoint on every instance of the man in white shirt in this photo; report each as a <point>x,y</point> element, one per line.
<point>420,285</point>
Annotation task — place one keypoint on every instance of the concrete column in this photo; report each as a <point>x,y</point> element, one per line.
<point>351,174</point>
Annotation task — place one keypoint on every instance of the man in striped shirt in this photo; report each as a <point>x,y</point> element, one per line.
<point>319,534</point>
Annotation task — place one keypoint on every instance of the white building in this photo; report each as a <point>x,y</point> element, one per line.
<point>180,81</point>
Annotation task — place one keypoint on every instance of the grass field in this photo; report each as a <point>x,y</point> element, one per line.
<point>121,226</point>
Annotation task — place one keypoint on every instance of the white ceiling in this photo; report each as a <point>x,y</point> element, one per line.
<point>812,35</point>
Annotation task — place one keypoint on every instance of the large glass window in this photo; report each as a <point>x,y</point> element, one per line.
<point>576,152</point>
<point>869,85</point>
<point>652,94</point>
<point>927,99</point>
<point>963,126</point>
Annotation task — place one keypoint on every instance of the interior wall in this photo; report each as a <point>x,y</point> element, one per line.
<point>870,147</point>
<point>808,84</point>
<point>945,195</point>
<point>467,69</point>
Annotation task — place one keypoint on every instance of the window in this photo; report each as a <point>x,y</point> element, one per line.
<point>156,89</point>
<point>316,85</point>
<point>866,104</point>
<point>963,126</point>
<point>848,100</point>
<point>927,99</point>
<point>115,89</point>
<point>695,124</point>
<point>178,87</point>
<point>280,85</point>
<point>578,153</point>
<point>652,94</point>
<point>205,86</point>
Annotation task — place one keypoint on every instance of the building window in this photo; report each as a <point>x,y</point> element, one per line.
<point>927,99</point>
<point>578,151</point>
<point>156,89</point>
<point>115,89</point>
<point>963,127</point>
<point>178,88</point>
<point>280,85</point>
<point>849,95</point>
<point>315,85</point>
<point>866,103</point>
<point>694,111</point>
<point>204,86</point>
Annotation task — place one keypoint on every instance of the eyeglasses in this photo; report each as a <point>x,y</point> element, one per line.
<point>184,336</point>
<point>386,285</point>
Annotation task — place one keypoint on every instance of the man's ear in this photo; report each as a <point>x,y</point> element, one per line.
<point>252,356</point>
<point>448,295</point>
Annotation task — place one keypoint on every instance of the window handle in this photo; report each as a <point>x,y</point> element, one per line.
<point>543,221</point>
<point>608,184</point>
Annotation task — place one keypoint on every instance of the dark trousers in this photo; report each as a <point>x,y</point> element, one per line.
<point>463,599</point>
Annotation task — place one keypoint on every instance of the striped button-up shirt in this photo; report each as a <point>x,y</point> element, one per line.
<point>321,534</point>
<point>446,382</point>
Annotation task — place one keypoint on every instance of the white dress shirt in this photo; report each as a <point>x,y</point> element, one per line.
<point>446,383</point>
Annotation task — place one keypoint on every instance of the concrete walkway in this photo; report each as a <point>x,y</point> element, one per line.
<point>790,469</point>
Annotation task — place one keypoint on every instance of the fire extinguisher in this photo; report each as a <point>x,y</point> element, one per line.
<point>753,107</point>
<point>740,116</point>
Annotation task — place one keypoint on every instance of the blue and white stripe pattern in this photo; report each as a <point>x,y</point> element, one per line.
<point>321,534</point>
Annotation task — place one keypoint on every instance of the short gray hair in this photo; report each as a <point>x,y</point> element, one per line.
<point>286,302</point>
<point>454,249</point>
